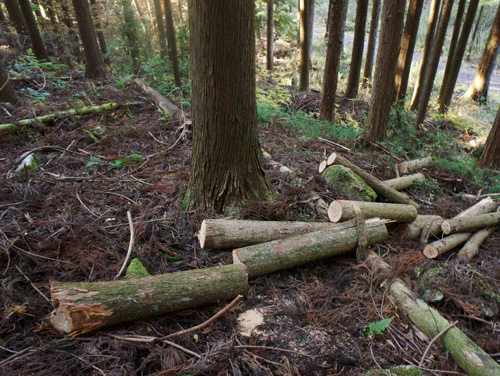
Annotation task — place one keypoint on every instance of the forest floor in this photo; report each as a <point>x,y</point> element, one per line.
<point>68,222</point>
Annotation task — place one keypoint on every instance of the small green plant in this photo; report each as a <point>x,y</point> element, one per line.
<point>133,158</point>
<point>94,161</point>
<point>37,96</point>
<point>377,327</point>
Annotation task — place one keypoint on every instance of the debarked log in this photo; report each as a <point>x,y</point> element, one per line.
<point>342,210</point>
<point>168,108</point>
<point>301,249</point>
<point>415,164</point>
<point>465,224</point>
<point>83,307</point>
<point>413,229</point>
<point>471,247</point>
<point>404,182</point>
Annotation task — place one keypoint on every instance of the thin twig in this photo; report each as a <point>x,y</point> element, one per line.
<point>85,206</point>
<point>40,256</point>
<point>130,244</point>
<point>272,348</point>
<point>32,285</point>
<point>173,344</point>
<point>333,143</point>
<point>434,340</point>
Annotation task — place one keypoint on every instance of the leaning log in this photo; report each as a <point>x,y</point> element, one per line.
<point>83,307</point>
<point>466,353</point>
<point>301,249</point>
<point>415,164</point>
<point>413,229</point>
<point>404,182</point>
<point>168,108</point>
<point>467,224</point>
<point>377,185</point>
<point>232,233</point>
<point>343,210</point>
<point>471,247</point>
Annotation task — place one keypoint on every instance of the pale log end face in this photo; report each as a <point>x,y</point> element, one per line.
<point>430,251</point>
<point>335,211</point>
<point>322,166</point>
<point>202,234</point>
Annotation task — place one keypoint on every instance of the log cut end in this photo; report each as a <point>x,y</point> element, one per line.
<point>335,211</point>
<point>322,166</point>
<point>331,159</point>
<point>430,251</point>
<point>202,234</point>
<point>61,319</point>
<point>445,227</point>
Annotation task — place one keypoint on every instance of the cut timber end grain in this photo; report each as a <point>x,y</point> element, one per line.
<point>430,251</point>
<point>335,211</point>
<point>322,166</point>
<point>344,210</point>
<point>415,164</point>
<point>331,159</point>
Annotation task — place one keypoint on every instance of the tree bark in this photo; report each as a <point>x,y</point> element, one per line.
<point>270,35</point>
<point>385,70</point>
<point>130,30</point>
<point>478,91</point>
<point>83,307</point>
<point>372,41</point>
<point>357,49</point>
<point>467,224</point>
<point>15,16</point>
<point>94,64</point>
<point>415,164</point>
<point>7,94</point>
<point>474,33</point>
<point>33,31</point>
<point>172,43</point>
<point>471,247</point>
<point>306,26</point>
<point>407,47</point>
<point>491,153</point>
<point>98,27</point>
<point>404,182</point>
<point>426,54</point>
<point>332,63</point>
<point>437,47</point>
<point>342,210</point>
<point>226,166</point>
<point>162,38</point>
<point>286,253</point>
<point>453,64</point>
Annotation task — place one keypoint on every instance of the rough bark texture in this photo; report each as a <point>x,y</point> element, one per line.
<point>426,54</point>
<point>372,41</point>
<point>94,63</point>
<point>82,307</point>
<point>437,47</point>
<point>415,164</point>
<point>226,165</point>
<point>15,16</point>
<point>306,25</point>
<point>33,31</point>
<point>404,182</point>
<point>172,42</point>
<point>342,210</point>
<point>286,253</point>
<point>357,49</point>
<point>385,70</point>
<point>7,94</point>
<point>407,47</point>
<point>478,91</point>
<point>478,21</point>
<point>453,64</point>
<point>98,27</point>
<point>270,35</point>
<point>162,38</point>
<point>332,64</point>
<point>130,30</point>
<point>491,153</point>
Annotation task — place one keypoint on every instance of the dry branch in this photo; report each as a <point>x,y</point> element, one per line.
<point>415,164</point>
<point>466,224</point>
<point>163,103</point>
<point>404,182</point>
<point>342,210</point>
<point>471,247</point>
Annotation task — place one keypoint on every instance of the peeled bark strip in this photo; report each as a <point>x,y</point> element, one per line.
<point>83,307</point>
<point>464,224</point>
<point>413,229</point>
<point>405,181</point>
<point>301,249</point>
<point>415,164</point>
<point>377,185</point>
<point>231,233</point>
<point>471,247</point>
<point>165,105</point>
<point>342,210</point>
<point>466,353</point>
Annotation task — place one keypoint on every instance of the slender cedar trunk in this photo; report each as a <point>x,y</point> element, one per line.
<point>426,54</point>
<point>34,33</point>
<point>306,25</point>
<point>15,16</point>
<point>172,43</point>
<point>387,58</point>
<point>226,166</point>
<point>491,154</point>
<point>407,47</point>
<point>328,18</point>
<point>7,94</point>
<point>437,47</point>
<point>346,8</point>
<point>270,35</point>
<point>94,63</point>
<point>2,15</point>
<point>372,41</point>
<point>332,63</point>
<point>162,38</point>
<point>357,49</point>
<point>474,33</point>
<point>68,22</point>
<point>447,87</point>
<point>49,5</point>
<point>130,30</point>
<point>37,12</point>
<point>478,91</point>
<point>179,7</point>
<point>99,28</point>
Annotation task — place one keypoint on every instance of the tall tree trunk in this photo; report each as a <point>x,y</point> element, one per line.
<point>172,43</point>
<point>226,166</point>
<point>357,49</point>
<point>2,15</point>
<point>15,16</point>
<point>33,31</point>
<point>387,58</point>
<point>453,69</point>
<point>437,47</point>
<point>332,63</point>
<point>328,18</point>
<point>372,41</point>
<point>94,63</point>
<point>179,6</point>
<point>407,47</point>
<point>270,35</point>
<point>99,29</point>
<point>491,154</point>
<point>130,30</point>
<point>7,94</point>
<point>49,5</point>
<point>306,25</point>
<point>426,54</point>
<point>67,20</point>
<point>346,8</point>
<point>162,37</point>
<point>474,33</point>
<point>478,91</point>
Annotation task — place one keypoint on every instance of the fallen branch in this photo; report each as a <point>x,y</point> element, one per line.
<point>471,247</point>
<point>168,108</point>
<point>404,182</point>
<point>130,244</point>
<point>342,210</point>
<point>434,340</point>
<point>415,164</point>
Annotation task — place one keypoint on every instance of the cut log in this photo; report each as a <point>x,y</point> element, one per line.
<point>322,166</point>
<point>471,247</point>
<point>231,233</point>
<point>83,307</point>
<point>168,108</point>
<point>404,182</point>
<point>415,164</point>
<point>467,224</point>
<point>20,125</point>
<point>343,210</point>
<point>413,230</point>
<point>466,353</point>
<point>377,185</point>
<point>301,249</point>
<point>484,206</point>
